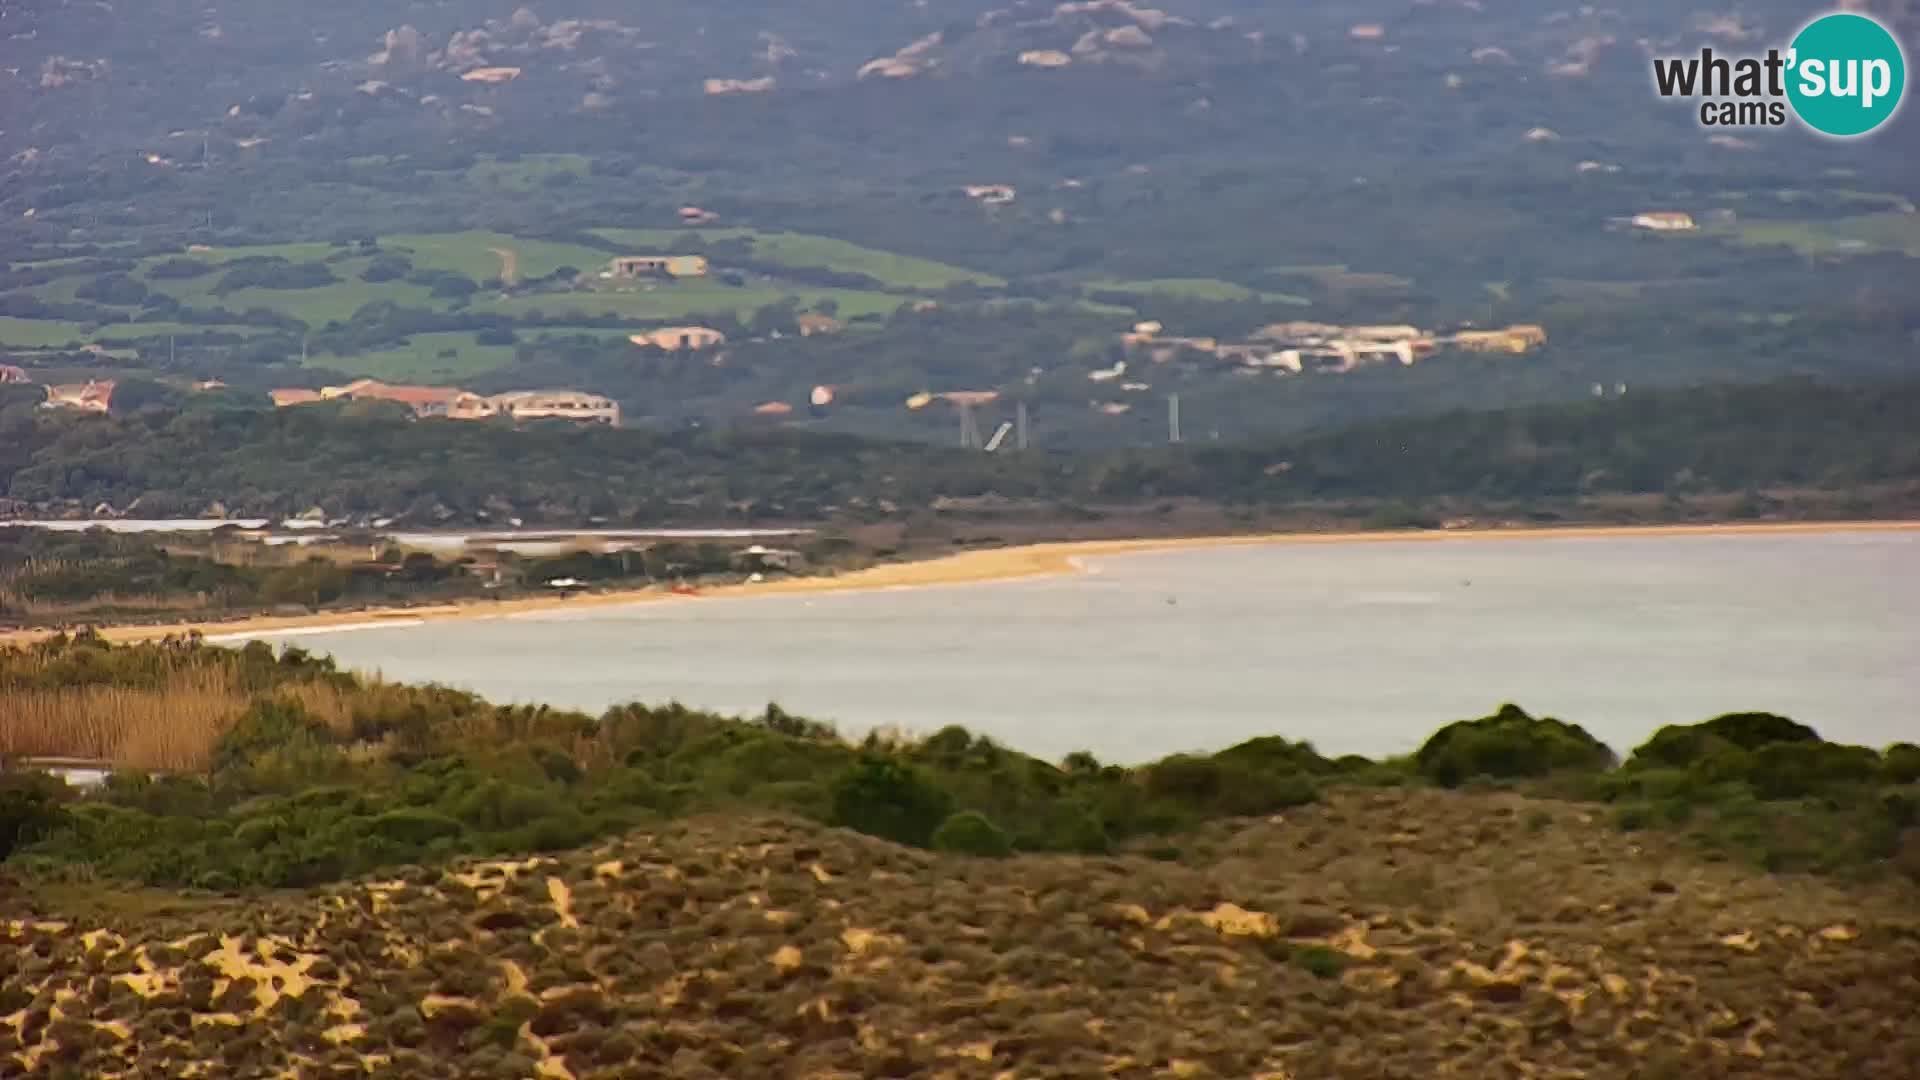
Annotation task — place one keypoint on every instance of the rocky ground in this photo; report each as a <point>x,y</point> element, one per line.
<point>1379,934</point>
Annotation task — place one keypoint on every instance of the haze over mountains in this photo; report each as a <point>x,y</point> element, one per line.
<point>1211,165</point>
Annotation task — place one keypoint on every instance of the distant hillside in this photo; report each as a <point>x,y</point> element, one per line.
<point>360,460</point>
<point>1210,164</point>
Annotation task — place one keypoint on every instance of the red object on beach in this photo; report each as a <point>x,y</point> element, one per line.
<point>684,589</point>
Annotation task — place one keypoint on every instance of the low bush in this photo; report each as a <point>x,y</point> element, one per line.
<point>313,775</point>
<point>889,799</point>
<point>31,807</point>
<point>1510,744</point>
<point>971,833</point>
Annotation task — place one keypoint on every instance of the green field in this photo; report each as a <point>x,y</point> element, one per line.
<point>806,251</point>
<point>301,252</point>
<point>682,299</point>
<point>38,333</point>
<point>137,330</point>
<point>471,253</point>
<point>1196,289</point>
<point>474,255</point>
<point>1858,235</point>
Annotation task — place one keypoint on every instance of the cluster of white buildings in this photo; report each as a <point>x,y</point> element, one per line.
<point>1302,347</point>
<point>454,403</point>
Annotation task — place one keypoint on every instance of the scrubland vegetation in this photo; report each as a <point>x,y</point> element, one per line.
<point>242,768</point>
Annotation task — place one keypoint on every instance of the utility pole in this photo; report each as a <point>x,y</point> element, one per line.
<point>1173,418</point>
<point>969,428</point>
<point>1020,422</point>
<point>169,351</point>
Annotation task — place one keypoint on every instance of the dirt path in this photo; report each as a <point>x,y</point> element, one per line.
<point>509,265</point>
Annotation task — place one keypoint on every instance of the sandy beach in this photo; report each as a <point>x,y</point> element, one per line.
<point>969,567</point>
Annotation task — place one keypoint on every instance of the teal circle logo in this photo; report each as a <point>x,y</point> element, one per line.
<point>1846,75</point>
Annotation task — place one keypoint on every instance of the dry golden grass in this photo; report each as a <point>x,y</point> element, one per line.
<point>172,727</point>
<point>333,706</point>
<point>729,946</point>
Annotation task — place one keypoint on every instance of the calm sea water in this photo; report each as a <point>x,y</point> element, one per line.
<point>1360,648</point>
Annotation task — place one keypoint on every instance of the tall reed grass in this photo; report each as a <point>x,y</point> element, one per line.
<point>172,727</point>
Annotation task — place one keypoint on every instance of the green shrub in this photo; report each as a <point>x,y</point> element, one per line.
<point>1319,960</point>
<point>1901,764</point>
<point>889,799</point>
<point>1753,730</point>
<point>1719,749</point>
<point>803,797</point>
<point>1510,744</point>
<point>1790,770</point>
<point>411,825</point>
<point>266,726</point>
<point>1065,825</point>
<point>1273,754</point>
<point>970,832</point>
<point>558,766</point>
<point>30,809</point>
<point>1218,786</point>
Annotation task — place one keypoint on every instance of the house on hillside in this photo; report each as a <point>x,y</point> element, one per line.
<point>676,266</point>
<point>423,400</point>
<point>759,558</point>
<point>1518,339</point>
<point>677,338</point>
<point>11,374</point>
<point>1664,221</point>
<point>471,406</point>
<point>812,322</point>
<point>1398,332</point>
<point>991,194</point>
<point>557,405</point>
<point>90,396</point>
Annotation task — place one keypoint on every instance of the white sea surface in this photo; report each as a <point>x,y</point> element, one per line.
<point>1362,648</point>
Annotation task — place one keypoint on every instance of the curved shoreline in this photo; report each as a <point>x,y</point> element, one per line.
<point>963,568</point>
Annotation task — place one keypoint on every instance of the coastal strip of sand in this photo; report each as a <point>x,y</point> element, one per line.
<point>967,567</point>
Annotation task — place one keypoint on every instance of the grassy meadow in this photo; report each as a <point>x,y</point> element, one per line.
<point>806,251</point>
<point>1211,289</point>
<point>480,256</point>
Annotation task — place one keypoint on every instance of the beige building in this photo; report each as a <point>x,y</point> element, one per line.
<point>294,396</point>
<point>423,400</point>
<point>812,322</point>
<point>1517,339</point>
<point>557,405</point>
<point>90,396</point>
<point>1664,221</point>
<point>679,266</point>
<point>1398,332</point>
<point>676,338</point>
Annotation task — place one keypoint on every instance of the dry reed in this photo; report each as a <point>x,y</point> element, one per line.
<point>173,727</point>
